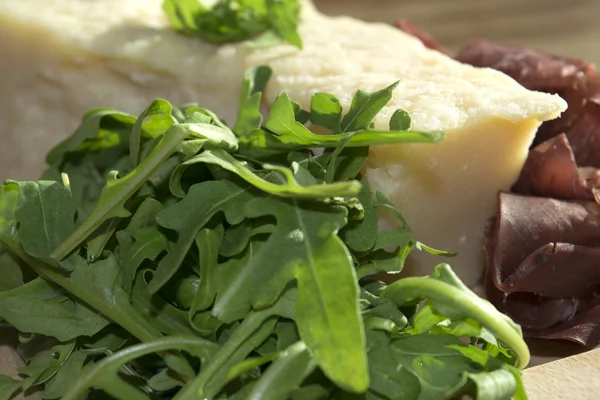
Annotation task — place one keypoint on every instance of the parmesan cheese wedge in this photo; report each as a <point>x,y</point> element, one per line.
<point>81,54</point>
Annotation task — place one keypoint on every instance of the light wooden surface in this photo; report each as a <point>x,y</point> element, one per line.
<point>572,378</point>
<point>568,27</point>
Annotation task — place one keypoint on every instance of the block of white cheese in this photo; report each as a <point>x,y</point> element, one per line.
<point>62,57</point>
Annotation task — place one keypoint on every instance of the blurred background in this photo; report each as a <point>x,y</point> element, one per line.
<point>567,27</point>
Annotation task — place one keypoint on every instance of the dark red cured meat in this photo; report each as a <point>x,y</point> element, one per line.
<point>551,170</point>
<point>428,41</point>
<point>543,247</point>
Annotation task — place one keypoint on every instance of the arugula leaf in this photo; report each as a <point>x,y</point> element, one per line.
<point>249,115</point>
<point>155,120</point>
<point>111,203</point>
<point>365,106</point>
<point>289,134</point>
<point>69,372</point>
<point>326,111</point>
<point>44,365</point>
<point>171,233</point>
<point>40,307</point>
<point>304,246</point>
<point>90,129</point>
<point>8,387</point>
<point>400,121</point>
<point>290,189</point>
<point>45,214</point>
<point>104,374</point>
<point>284,375</point>
<point>190,215</point>
<point>450,297</point>
<point>10,270</point>
<point>233,21</point>
<point>148,244</point>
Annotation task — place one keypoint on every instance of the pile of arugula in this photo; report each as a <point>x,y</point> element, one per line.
<point>258,22</point>
<point>167,256</point>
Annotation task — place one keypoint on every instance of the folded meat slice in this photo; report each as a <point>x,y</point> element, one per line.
<point>544,263</point>
<point>551,170</point>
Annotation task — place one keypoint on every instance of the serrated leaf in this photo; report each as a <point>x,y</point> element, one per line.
<point>365,106</point>
<point>8,387</point>
<point>105,373</point>
<point>287,133</point>
<point>154,121</point>
<point>69,372</point>
<point>117,192</point>
<point>249,116</point>
<point>305,246</point>
<point>191,214</point>
<point>284,374</point>
<point>449,297</point>
<point>163,316</point>
<point>44,365</point>
<point>148,243</point>
<point>41,307</point>
<point>45,214</point>
<point>90,128</point>
<point>290,187</point>
<point>360,235</point>
<point>326,111</point>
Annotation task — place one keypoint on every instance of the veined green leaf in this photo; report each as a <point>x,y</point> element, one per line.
<point>365,106</point>
<point>291,134</point>
<point>45,214</point>
<point>224,21</point>
<point>8,387</point>
<point>45,364</point>
<point>41,307</point>
<point>155,121</point>
<point>105,373</point>
<point>451,298</point>
<point>305,246</point>
<point>326,111</point>
<point>249,116</point>
<point>111,203</point>
<point>148,243</point>
<point>191,214</point>
<point>90,128</point>
<point>284,375</point>
<point>290,189</point>
<point>256,327</point>
<point>69,372</point>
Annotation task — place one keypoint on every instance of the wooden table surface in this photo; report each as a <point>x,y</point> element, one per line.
<point>568,27</point>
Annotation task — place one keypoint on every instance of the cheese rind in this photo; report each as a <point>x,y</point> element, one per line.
<point>122,54</point>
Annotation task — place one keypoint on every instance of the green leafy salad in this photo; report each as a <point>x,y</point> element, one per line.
<point>173,256</point>
<point>168,256</point>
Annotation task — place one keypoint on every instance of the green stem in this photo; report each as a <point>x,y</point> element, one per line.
<point>197,387</point>
<point>103,374</point>
<point>127,185</point>
<point>405,290</point>
<point>132,322</point>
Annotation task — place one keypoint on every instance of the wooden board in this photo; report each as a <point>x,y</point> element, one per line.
<point>571,378</point>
